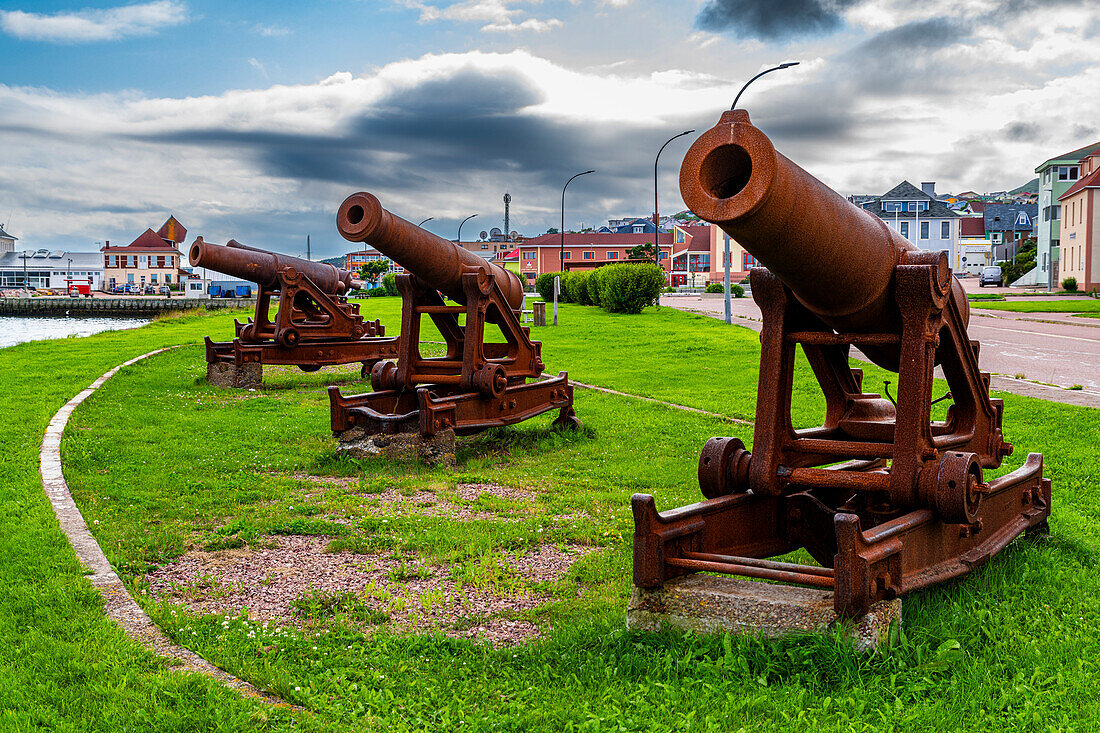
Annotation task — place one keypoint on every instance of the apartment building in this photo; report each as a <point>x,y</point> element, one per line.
<point>1080,226</point>
<point>152,259</point>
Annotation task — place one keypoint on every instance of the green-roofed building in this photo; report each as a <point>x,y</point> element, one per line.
<point>1055,177</point>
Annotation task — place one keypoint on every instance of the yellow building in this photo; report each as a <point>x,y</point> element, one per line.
<point>1080,240</point>
<point>151,259</point>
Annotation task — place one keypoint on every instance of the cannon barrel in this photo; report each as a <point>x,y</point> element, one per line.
<point>433,260</point>
<point>836,258</point>
<point>262,267</point>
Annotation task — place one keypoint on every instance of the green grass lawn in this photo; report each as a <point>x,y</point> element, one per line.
<point>167,465</point>
<point>1077,305</point>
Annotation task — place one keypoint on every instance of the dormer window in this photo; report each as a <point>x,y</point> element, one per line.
<point>892,206</point>
<point>638,229</point>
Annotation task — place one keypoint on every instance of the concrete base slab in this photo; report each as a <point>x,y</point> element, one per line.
<point>438,449</point>
<point>709,604</point>
<point>246,376</point>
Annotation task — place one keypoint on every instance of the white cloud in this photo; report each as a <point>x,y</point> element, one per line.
<point>499,16</point>
<point>85,26</point>
<point>531,24</point>
<point>270,31</point>
<point>255,64</point>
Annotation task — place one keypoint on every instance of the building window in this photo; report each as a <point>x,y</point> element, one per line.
<point>945,230</point>
<point>153,278</point>
<point>568,255</point>
<point>612,255</point>
<point>167,278</point>
<point>1067,172</point>
<point>529,255</point>
<point>892,206</point>
<point>679,235</point>
<point>589,255</point>
<point>905,229</point>
<point>664,255</point>
<point>638,229</point>
<point>1055,212</point>
<point>130,278</point>
<point>485,246</point>
<point>748,261</point>
<point>143,261</point>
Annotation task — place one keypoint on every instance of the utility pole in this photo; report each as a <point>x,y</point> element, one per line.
<point>307,247</point>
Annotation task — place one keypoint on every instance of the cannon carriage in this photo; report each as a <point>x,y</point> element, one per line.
<point>314,326</point>
<point>885,499</point>
<point>480,382</point>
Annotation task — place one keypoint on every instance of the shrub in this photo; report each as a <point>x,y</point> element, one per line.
<point>389,283</point>
<point>573,288</point>
<point>737,291</point>
<point>627,288</point>
<point>1070,285</point>
<point>377,292</point>
<point>544,283</point>
<point>579,284</point>
<point>716,288</point>
<point>593,284</point>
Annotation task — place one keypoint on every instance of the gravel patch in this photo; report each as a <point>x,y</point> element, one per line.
<point>416,597</point>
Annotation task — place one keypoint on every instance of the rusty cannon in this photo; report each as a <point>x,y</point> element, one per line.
<point>481,380</point>
<point>885,499</point>
<point>314,326</point>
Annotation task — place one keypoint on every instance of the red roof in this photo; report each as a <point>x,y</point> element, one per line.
<point>972,226</point>
<point>978,206</point>
<point>1092,180</point>
<point>147,240</point>
<point>598,239</point>
<point>173,231</point>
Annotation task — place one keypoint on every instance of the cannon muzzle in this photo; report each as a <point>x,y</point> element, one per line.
<point>262,267</point>
<point>836,258</point>
<point>433,260</point>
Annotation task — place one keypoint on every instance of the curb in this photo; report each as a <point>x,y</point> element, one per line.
<point>118,604</point>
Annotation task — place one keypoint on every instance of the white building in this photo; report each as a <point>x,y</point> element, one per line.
<point>919,217</point>
<point>50,269</point>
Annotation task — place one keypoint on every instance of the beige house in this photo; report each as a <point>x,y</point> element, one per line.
<point>151,259</point>
<point>1080,240</point>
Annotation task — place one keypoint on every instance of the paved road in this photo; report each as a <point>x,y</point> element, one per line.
<point>1046,351</point>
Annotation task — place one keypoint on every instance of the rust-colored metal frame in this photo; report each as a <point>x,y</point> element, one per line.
<point>475,385</point>
<point>312,329</point>
<point>908,506</point>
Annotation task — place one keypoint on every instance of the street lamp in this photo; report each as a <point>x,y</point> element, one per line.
<point>69,277</point>
<point>729,305</point>
<point>656,217</point>
<point>561,250</point>
<point>471,216</point>
<point>425,221</point>
<point>787,65</point>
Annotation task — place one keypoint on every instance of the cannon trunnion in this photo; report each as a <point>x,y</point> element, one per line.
<point>314,326</point>
<point>478,383</point>
<point>886,499</point>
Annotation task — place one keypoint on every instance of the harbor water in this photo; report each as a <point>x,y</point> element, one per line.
<point>17,329</point>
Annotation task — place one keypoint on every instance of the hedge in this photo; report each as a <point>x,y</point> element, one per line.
<point>389,282</point>
<point>544,284</point>
<point>628,288</point>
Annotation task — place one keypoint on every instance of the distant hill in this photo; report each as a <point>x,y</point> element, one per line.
<point>1031,186</point>
<point>334,261</point>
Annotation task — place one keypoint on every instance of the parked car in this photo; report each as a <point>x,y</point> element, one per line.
<point>133,290</point>
<point>118,290</point>
<point>991,276</point>
<point>165,290</point>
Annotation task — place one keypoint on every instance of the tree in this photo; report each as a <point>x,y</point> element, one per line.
<point>374,269</point>
<point>552,230</point>
<point>641,252</point>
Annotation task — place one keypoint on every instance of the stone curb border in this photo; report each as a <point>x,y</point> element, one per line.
<point>118,603</point>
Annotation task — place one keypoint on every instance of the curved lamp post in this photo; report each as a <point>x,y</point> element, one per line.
<point>656,216</point>
<point>787,65</point>
<point>561,250</point>
<point>729,307</point>
<point>425,221</point>
<point>459,240</point>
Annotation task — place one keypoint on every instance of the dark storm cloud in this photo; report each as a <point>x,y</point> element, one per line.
<point>1022,131</point>
<point>770,20</point>
<point>468,136</point>
<point>904,60</point>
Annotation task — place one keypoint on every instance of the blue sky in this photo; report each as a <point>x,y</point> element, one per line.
<point>254,120</point>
